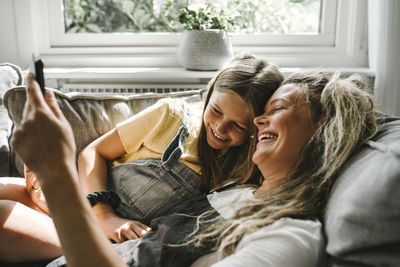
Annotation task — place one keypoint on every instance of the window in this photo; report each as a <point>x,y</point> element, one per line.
<point>120,33</point>
<point>274,16</point>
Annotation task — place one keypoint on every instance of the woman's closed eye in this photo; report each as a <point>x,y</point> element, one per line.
<point>275,109</point>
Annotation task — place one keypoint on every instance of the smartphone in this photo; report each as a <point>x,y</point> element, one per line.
<point>38,71</point>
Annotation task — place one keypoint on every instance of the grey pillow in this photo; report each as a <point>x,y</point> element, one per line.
<point>362,221</point>
<point>91,115</point>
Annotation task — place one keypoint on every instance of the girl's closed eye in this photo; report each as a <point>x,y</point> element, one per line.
<point>237,125</point>
<point>216,110</point>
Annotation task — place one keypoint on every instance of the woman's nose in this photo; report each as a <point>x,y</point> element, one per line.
<point>260,120</point>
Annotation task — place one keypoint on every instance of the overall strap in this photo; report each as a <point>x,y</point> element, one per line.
<point>174,150</point>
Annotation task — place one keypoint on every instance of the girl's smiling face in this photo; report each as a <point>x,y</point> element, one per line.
<point>283,130</point>
<point>227,120</point>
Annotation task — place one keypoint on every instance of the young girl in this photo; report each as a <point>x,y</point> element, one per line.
<point>166,154</point>
<point>159,156</point>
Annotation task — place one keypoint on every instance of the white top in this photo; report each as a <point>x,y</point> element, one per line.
<point>286,242</point>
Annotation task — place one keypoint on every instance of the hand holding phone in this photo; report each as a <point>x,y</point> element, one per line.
<point>38,71</point>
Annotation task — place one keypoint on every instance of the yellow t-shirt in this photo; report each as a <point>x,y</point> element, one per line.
<point>147,134</point>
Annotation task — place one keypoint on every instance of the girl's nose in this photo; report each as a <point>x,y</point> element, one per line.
<point>221,127</point>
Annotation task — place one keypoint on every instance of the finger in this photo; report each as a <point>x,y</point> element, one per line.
<point>33,94</point>
<point>143,226</point>
<point>34,98</point>
<point>51,101</point>
<point>139,230</point>
<point>120,236</point>
<point>129,234</point>
<point>116,237</point>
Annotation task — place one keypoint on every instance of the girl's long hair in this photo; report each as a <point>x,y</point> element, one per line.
<point>346,119</point>
<point>254,80</point>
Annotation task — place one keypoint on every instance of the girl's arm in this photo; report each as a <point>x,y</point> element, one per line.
<point>92,161</point>
<point>144,128</point>
<point>45,142</point>
<point>92,164</point>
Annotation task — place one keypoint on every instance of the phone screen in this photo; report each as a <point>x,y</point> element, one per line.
<point>39,74</point>
<point>37,70</point>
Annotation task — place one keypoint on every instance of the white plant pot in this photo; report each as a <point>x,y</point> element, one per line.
<point>204,50</point>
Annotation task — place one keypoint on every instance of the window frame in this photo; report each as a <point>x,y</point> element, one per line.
<point>342,41</point>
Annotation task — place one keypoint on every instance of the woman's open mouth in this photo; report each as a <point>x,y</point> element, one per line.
<point>267,137</point>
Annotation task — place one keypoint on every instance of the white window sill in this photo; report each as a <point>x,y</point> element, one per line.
<point>168,73</point>
<point>126,73</point>
<point>55,77</point>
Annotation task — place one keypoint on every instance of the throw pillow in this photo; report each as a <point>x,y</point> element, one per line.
<point>362,221</point>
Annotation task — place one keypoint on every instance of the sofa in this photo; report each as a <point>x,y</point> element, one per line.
<point>362,219</point>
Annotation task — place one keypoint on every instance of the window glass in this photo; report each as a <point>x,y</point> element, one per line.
<point>251,16</point>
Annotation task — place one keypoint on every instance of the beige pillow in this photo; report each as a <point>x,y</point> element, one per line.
<point>90,114</point>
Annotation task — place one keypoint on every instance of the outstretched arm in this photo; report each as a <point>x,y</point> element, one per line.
<point>45,131</point>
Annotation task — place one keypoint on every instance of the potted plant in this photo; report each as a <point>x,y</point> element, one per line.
<point>205,44</point>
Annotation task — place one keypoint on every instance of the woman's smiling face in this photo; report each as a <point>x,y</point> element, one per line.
<point>283,130</point>
<point>227,120</point>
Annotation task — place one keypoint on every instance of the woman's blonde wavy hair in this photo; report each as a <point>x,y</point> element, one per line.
<point>344,113</point>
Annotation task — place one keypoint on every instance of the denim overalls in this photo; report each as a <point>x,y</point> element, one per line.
<point>149,188</point>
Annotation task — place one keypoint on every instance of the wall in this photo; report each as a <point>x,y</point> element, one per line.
<point>9,51</point>
<point>16,33</point>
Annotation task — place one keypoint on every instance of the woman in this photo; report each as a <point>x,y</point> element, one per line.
<point>310,127</point>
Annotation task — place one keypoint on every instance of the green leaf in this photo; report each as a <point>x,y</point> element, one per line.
<point>93,28</point>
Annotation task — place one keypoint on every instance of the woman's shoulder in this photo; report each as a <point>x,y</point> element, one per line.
<point>312,227</point>
<point>301,237</point>
<point>296,229</point>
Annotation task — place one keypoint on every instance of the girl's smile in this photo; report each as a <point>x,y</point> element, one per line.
<point>227,120</point>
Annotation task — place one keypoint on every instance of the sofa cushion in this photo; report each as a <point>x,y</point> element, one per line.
<point>362,221</point>
<point>91,115</point>
<point>10,76</point>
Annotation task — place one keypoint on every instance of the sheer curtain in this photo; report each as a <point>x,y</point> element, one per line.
<point>384,52</point>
